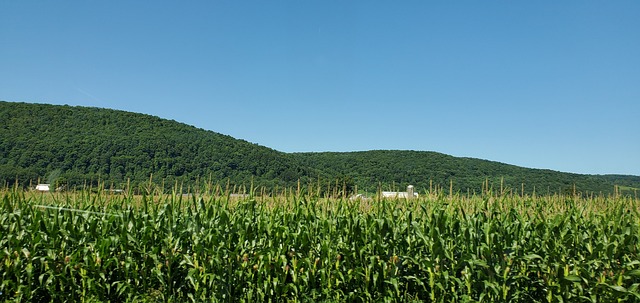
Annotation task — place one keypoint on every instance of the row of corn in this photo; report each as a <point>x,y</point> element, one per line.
<point>84,247</point>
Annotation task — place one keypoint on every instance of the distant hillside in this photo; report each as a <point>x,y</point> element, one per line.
<point>430,170</point>
<point>79,144</point>
<point>73,145</point>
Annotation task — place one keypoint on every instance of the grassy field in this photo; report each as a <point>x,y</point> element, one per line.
<point>91,246</point>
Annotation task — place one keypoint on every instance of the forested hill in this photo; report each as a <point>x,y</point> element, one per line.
<point>427,170</point>
<point>76,144</point>
<point>73,145</point>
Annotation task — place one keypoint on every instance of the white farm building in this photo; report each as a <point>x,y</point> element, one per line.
<point>43,187</point>
<point>409,194</point>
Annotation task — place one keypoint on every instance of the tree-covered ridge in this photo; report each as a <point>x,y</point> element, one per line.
<point>73,145</point>
<point>427,170</point>
<point>78,144</point>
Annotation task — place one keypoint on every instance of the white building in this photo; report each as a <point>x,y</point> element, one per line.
<point>43,187</point>
<point>409,194</point>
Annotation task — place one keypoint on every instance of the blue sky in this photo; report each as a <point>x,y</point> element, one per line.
<point>541,84</point>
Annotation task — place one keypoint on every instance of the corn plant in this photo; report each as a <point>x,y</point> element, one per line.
<point>97,247</point>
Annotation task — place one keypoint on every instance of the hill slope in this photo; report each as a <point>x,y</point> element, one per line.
<point>74,145</point>
<point>80,143</point>
<point>430,170</point>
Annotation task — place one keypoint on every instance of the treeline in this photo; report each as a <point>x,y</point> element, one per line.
<point>78,146</point>
<point>393,169</point>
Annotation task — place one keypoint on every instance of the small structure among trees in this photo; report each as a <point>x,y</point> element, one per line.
<point>43,187</point>
<point>409,194</point>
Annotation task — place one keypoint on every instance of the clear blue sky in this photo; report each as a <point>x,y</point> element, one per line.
<point>541,84</point>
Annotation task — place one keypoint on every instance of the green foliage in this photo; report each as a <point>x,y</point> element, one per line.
<point>81,144</point>
<point>78,146</point>
<point>95,247</point>
<point>431,171</point>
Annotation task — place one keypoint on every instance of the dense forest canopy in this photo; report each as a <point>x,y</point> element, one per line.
<point>77,144</point>
<point>430,170</point>
<point>74,146</point>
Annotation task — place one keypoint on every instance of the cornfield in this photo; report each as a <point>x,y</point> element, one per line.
<point>99,247</point>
